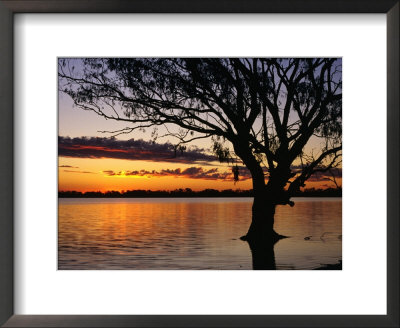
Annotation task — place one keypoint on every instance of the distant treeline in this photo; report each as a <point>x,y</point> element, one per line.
<point>331,192</point>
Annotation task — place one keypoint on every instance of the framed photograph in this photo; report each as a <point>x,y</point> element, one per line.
<point>186,165</point>
<point>193,194</point>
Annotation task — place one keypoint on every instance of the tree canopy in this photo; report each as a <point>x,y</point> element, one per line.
<point>268,109</point>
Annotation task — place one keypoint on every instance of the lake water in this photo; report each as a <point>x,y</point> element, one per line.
<point>191,233</point>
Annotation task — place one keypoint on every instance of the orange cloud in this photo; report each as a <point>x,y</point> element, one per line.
<point>190,172</point>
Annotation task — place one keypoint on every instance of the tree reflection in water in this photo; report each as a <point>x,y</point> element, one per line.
<point>263,254</point>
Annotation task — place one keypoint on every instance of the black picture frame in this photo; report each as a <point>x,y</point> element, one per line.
<point>10,7</point>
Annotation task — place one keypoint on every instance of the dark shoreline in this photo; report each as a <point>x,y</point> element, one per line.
<point>188,193</point>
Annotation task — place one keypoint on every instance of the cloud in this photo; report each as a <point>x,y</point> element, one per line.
<point>190,172</point>
<point>130,150</point>
<point>206,174</point>
<point>325,176</point>
<point>69,166</point>
<point>320,176</point>
<point>86,172</point>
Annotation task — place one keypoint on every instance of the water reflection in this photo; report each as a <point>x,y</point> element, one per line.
<point>263,255</point>
<point>193,234</point>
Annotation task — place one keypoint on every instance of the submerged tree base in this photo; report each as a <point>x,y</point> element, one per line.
<point>262,249</point>
<point>273,237</point>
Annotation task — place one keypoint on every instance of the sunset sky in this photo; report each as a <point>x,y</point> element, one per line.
<point>90,161</point>
<point>87,164</point>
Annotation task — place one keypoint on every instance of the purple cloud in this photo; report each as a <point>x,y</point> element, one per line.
<point>130,150</point>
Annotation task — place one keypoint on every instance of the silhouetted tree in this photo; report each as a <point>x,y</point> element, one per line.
<point>267,109</point>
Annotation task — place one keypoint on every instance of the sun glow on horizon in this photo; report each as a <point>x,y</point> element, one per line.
<point>88,177</point>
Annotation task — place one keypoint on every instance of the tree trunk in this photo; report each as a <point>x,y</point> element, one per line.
<point>261,236</point>
<point>261,230</point>
<point>262,223</point>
